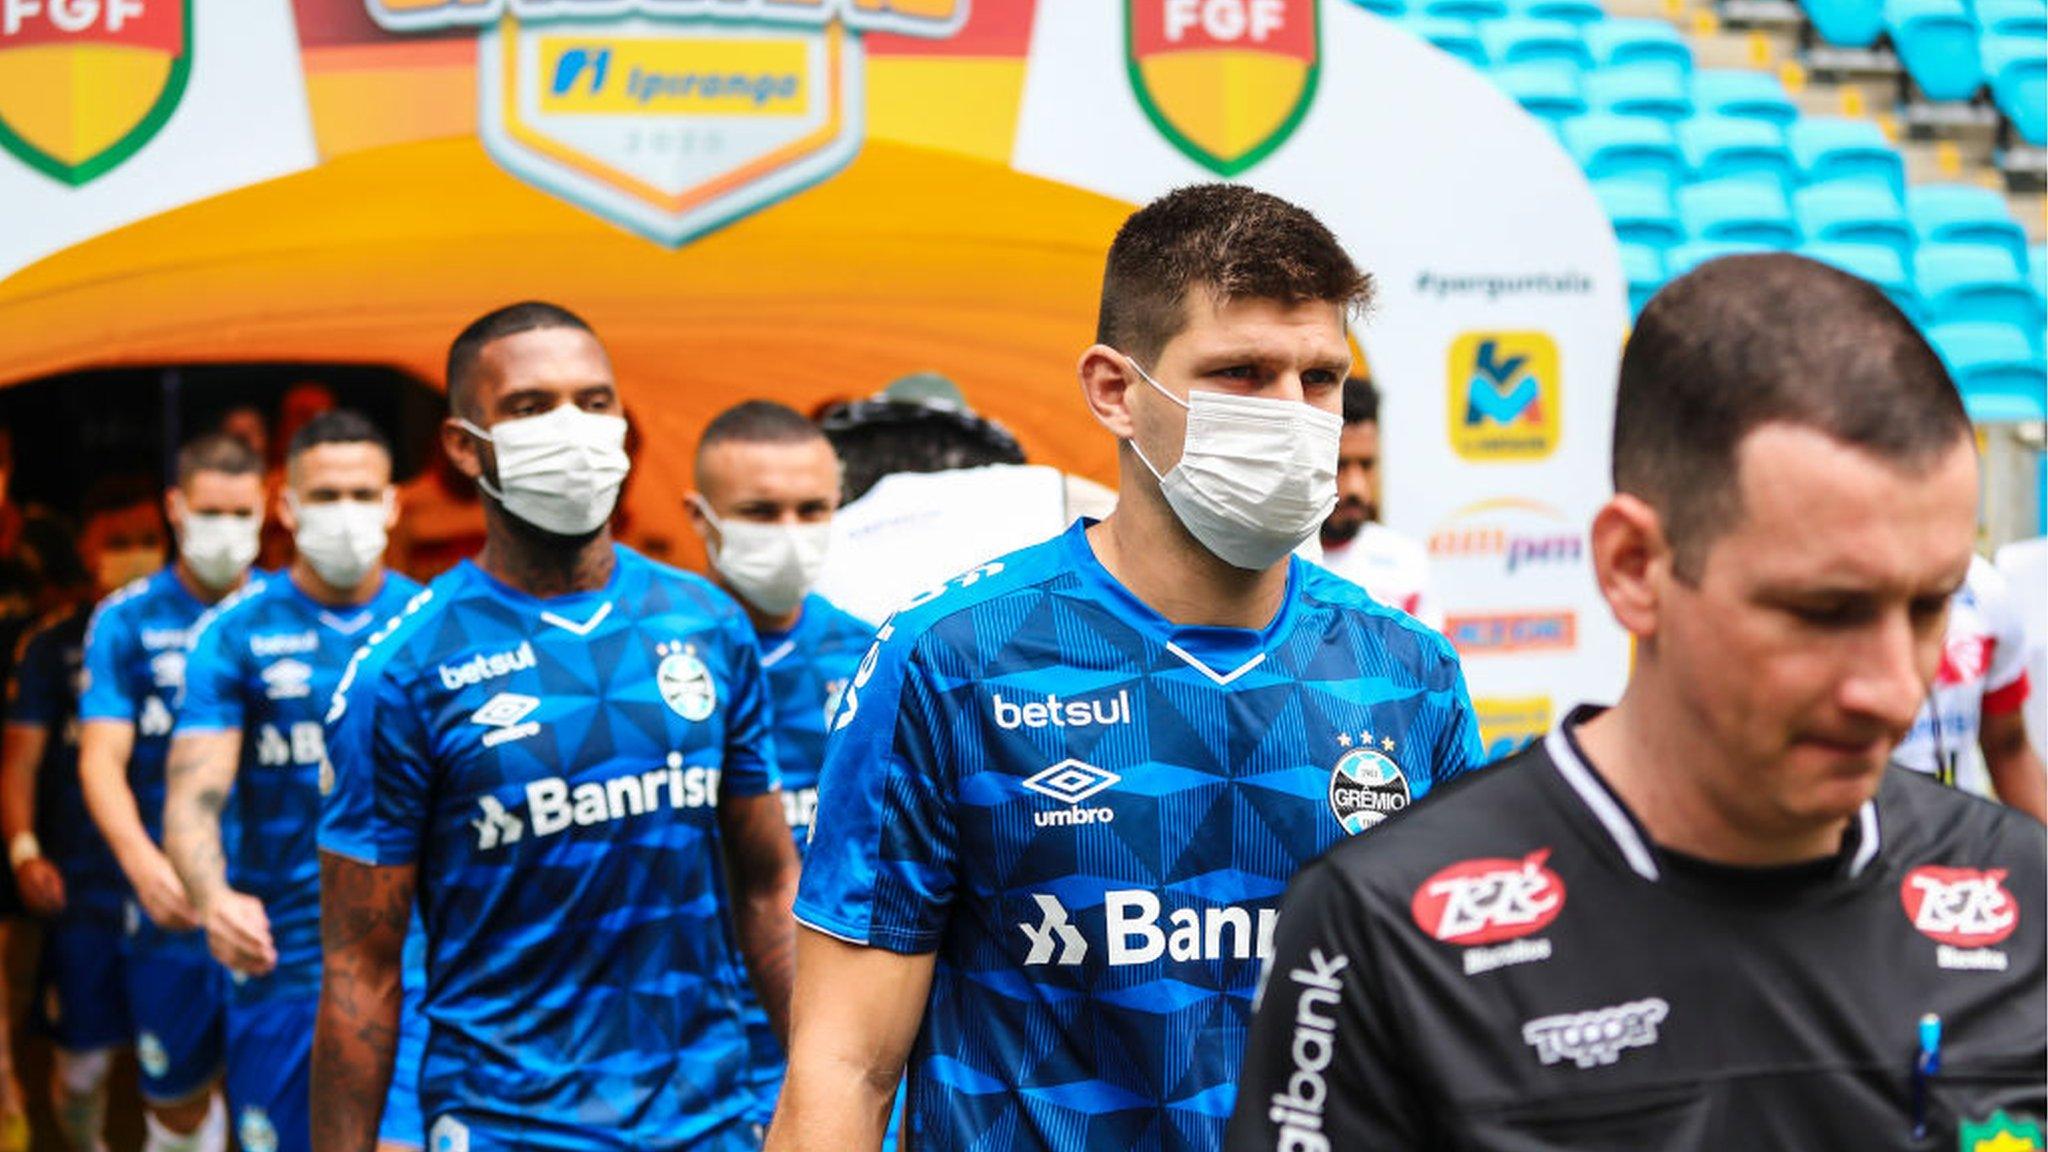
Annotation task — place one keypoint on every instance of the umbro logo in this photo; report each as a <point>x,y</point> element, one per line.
<point>505,715</point>
<point>1071,781</point>
<point>288,680</point>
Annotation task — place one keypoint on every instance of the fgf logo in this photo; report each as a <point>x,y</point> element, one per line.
<point>1504,396</point>
<point>120,65</point>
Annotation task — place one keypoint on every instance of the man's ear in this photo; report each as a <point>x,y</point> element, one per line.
<point>462,448</point>
<point>1632,562</point>
<point>693,505</point>
<point>1105,386</point>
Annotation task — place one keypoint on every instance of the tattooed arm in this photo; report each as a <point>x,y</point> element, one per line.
<point>364,910</point>
<point>200,775</point>
<point>761,859</point>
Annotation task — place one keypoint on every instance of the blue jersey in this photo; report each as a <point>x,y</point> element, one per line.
<point>44,695</point>
<point>808,667</point>
<point>1089,814</point>
<point>552,769</point>
<point>265,664</point>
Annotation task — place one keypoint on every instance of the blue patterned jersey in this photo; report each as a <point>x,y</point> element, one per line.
<point>44,695</point>
<point>265,664</point>
<point>134,672</point>
<point>1089,814</point>
<point>552,768</point>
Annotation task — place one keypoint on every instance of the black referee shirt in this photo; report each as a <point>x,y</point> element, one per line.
<point>1513,966</point>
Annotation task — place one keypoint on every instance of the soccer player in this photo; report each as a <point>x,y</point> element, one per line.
<point>565,749</point>
<point>1709,917</point>
<point>249,746</point>
<point>767,484</point>
<point>62,865</point>
<point>1065,789</point>
<point>1355,544</point>
<point>134,671</point>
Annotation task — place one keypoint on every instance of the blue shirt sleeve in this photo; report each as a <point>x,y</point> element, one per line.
<point>36,696</point>
<point>881,866</point>
<point>213,683</point>
<point>109,644</point>
<point>1459,750</point>
<point>749,768</point>
<point>378,778</point>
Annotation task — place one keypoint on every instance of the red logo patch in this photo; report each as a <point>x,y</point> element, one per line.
<point>1961,906</point>
<point>1489,900</point>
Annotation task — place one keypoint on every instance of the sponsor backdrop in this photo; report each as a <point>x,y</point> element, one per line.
<point>807,197</point>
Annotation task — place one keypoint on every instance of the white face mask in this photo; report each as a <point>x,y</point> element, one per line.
<point>772,566</point>
<point>119,566</point>
<point>343,540</point>
<point>219,547</point>
<point>559,471</point>
<point>1256,477</point>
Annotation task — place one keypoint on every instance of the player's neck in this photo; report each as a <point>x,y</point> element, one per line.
<point>542,564</point>
<point>321,592</point>
<point>197,587</point>
<point>1644,750</point>
<point>1147,549</point>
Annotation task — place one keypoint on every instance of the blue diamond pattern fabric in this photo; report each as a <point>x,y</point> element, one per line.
<point>1089,815</point>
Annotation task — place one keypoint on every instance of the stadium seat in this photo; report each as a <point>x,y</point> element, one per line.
<point>1579,12</point>
<point>1937,43</point>
<point>1848,213</point>
<point>1547,91</point>
<point>1879,265</point>
<point>1625,148</point>
<point>1846,23</point>
<point>1964,214</point>
<point>2037,269</point>
<point>1831,150</point>
<point>2017,67</point>
<point>1519,41</point>
<point>1644,267</point>
<point>1687,257</point>
<point>1474,10</point>
<point>1737,210</point>
<point>1977,284</point>
<point>2012,17</point>
<point>1718,148</point>
<point>1999,374</point>
<point>1456,37</point>
<point>1387,8</point>
<point>1650,89</point>
<point>1743,95</point>
<point>1643,214</point>
<point>1639,41</point>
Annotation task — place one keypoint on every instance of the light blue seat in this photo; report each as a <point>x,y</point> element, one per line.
<point>2017,68</point>
<point>1879,265</point>
<point>1547,90</point>
<point>2012,18</point>
<point>1387,8</point>
<point>1846,23</point>
<point>2037,269</point>
<point>2000,375</point>
<point>1625,148</point>
<point>1851,213</point>
<point>1642,214</point>
<point>1643,89</point>
<point>1740,211</point>
<point>1456,37</point>
<point>1744,95</point>
<point>1474,10</point>
<point>1523,41</point>
<point>1578,12</point>
<point>1721,148</point>
<point>1639,41</point>
<point>1977,283</point>
<point>1964,214</point>
<point>1644,267</point>
<point>1691,255</point>
<point>1830,149</point>
<point>1937,44</point>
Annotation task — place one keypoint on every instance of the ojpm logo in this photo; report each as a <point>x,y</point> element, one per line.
<point>1504,399</point>
<point>120,64</point>
<point>1226,81</point>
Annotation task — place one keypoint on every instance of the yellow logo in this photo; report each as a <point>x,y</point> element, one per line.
<point>84,84</point>
<point>1509,723</point>
<point>1504,396</point>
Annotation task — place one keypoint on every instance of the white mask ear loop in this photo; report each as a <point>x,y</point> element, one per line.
<point>1161,389</point>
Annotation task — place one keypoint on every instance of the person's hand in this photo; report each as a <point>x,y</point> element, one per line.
<point>238,933</point>
<point>161,893</point>
<point>42,886</point>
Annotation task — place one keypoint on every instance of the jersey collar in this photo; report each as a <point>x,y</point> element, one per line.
<point>577,612</point>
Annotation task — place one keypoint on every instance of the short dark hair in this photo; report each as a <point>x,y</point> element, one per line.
<point>217,452</point>
<point>755,422</point>
<point>117,493</point>
<point>875,438</point>
<point>1361,401</point>
<point>512,319</point>
<point>336,426</point>
<point>1238,242</point>
<point>1750,340</point>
